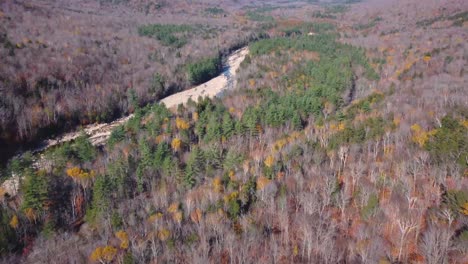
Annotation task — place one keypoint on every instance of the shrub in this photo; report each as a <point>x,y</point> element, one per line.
<point>203,70</point>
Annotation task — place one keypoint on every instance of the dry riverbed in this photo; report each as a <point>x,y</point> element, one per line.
<point>99,133</point>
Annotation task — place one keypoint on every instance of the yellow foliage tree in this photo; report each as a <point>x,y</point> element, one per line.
<point>2,192</point>
<point>464,209</point>
<point>388,150</point>
<point>123,237</point>
<point>81,176</point>
<point>279,144</point>
<point>164,234</point>
<point>173,208</point>
<point>427,58</point>
<point>232,196</point>
<point>262,182</point>
<point>181,124</point>
<point>232,175</point>
<point>178,216</point>
<point>295,250</point>
<point>14,223</point>
<point>73,172</point>
<point>217,185</point>
<point>252,83</point>
<point>420,136</point>
<point>176,144</point>
<point>104,254</point>
<point>155,217</point>
<point>30,214</point>
<point>465,123</point>
<point>269,161</point>
<point>341,126</point>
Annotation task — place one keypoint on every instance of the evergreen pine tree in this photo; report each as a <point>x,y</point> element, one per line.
<point>228,125</point>
<point>35,190</point>
<point>213,129</point>
<point>189,177</point>
<point>83,148</point>
<point>250,121</point>
<point>366,107</point>
<point>296,121</point>
<point>145,153</point>
<point>132,99</point>
<point>161,153</point>
<point>101,194</point>
<point>213,156</point>
<point>200,125</point>
<point>239,128</point>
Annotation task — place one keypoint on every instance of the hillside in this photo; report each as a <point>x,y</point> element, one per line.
<point>342,138</point>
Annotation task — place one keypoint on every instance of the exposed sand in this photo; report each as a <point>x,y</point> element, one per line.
<point>211,88</point>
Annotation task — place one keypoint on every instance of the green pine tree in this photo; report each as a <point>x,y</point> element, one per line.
<point>200,125</point>
<point>213,129</point>
<point>157,84</point>
<point>228,125</point>
<point>83,148</point>
<point>102,191</point>
<point>296,121</point>
<point>213,156</point>
<point>162,152</point>
<point>35,190</point>
<point>189,177</point>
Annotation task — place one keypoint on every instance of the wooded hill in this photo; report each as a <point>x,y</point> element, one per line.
<point>344,141</point>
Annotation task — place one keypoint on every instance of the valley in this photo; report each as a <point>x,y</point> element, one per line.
<point>155,131</point>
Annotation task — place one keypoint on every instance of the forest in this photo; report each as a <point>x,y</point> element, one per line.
<point>344,138</point>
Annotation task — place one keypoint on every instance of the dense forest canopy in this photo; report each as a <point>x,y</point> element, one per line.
<point>342,137</point>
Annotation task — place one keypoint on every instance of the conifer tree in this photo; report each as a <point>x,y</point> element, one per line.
<point>194,167</point>
<point>239,128</point>
<point>83,148</point>
<point>161,153</point>
<point>35,191</point>
<point>228,125</point>
<point>213,156</point>
<point>213,129</point>
<point>200,125</point>
<point>101,203</point>
<point>189,177</point>
<point>296,121</point>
